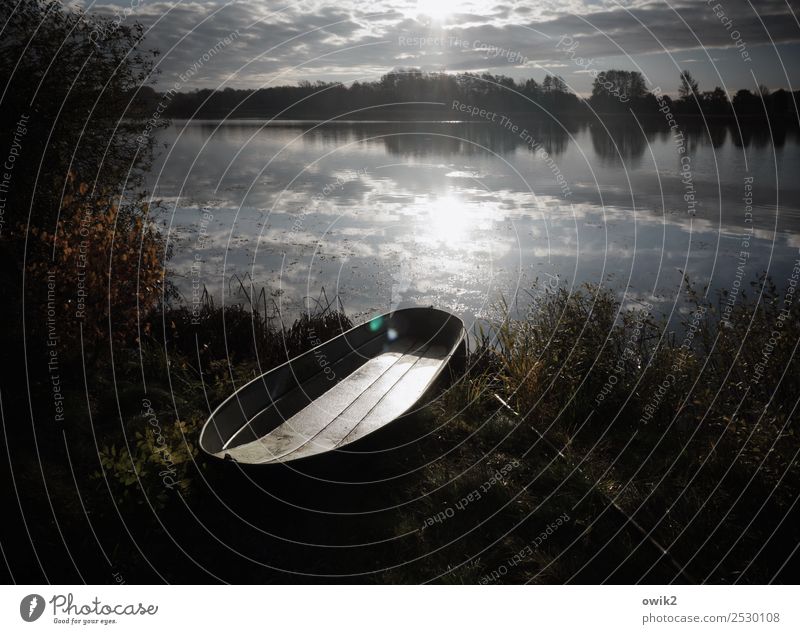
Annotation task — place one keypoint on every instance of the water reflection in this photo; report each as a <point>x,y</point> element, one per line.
<point>617,139</point>
<point>411,139</point>
<point>618,143</point>
<point>762,136</point>
<point>461,214</point>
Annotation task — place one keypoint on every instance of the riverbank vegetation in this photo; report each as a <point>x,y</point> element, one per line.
<point>688,429</point>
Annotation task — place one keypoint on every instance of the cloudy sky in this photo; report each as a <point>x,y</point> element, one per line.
<point>731,43</point>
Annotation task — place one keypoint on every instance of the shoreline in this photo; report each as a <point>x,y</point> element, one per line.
<point>426,117</point>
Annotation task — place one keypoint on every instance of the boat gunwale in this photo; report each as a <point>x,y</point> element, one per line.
<point>452,349</point>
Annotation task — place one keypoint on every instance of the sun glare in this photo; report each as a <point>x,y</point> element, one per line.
<point>438,10</point>
<point>448,220</point>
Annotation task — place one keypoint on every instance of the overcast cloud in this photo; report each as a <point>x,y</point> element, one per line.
<point>275,43</point>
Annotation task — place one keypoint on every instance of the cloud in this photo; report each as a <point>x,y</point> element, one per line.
<point>354,39</point>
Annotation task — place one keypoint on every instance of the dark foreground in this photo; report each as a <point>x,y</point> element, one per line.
<point>690,434</point>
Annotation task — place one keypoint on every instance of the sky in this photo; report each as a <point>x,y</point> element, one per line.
<point>259,43</point>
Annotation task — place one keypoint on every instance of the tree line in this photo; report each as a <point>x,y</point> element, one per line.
<point>406,92</point>
<point>621,90</point>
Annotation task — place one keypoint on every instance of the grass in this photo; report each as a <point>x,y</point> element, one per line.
<point>686,427</point>
<point>691,439</point>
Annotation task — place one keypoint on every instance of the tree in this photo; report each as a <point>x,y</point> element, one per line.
<point>530,88</point>
<point>72,109</point>
<point>77,78</point>
<point>780,103</point>
<point>746,103</point>
<point>688,90</point>
<point>637,87</point>
<point>716,102</point>
<point>558,85</point>
<point>554,84</point>
<point>616,89</point>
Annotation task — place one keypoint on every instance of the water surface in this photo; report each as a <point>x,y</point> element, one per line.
<point>461,214</point>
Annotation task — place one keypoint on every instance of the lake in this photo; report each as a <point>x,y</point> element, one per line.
<point>461,215</point>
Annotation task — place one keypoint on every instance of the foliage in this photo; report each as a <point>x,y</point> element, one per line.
<point>688,90</point>
<point>106,265</point>
<point>157,463</point>
<point>74,76</point>
<point>617,86</point>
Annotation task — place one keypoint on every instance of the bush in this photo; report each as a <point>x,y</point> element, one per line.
<point>112,256</point>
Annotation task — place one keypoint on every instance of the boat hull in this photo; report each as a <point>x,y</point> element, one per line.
<point>336,395</point>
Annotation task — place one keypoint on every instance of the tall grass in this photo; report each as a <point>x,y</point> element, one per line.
<point>688,428</point>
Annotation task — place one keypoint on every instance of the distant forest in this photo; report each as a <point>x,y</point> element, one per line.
<point>413,93</point>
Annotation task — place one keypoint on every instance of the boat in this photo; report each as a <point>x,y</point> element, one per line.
<point>337,393</point>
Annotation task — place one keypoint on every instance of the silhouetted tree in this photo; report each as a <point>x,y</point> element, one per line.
<point>617,90</point>
<point>688,90</point>
<point>746,103</point>
<point>394,95</point>
<point>780,104</point>
<point>76,78</point>
<point>73,108</point>
<point>716,102</point>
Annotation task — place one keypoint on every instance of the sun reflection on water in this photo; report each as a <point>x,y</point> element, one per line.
<point>447,220</point>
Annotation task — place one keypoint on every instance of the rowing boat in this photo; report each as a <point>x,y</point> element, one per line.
<point>336,393</point>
